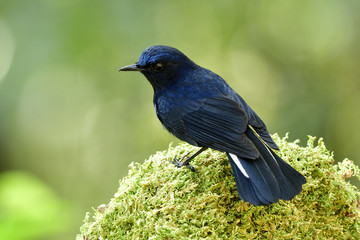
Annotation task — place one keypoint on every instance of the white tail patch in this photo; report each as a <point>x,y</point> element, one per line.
<point>238,164</point>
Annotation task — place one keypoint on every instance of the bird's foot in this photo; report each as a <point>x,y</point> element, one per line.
<point>183,162</point>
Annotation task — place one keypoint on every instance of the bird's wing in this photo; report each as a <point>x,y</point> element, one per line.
<point>260,128</point>
<point>219,123</point>
<point>256,122</point>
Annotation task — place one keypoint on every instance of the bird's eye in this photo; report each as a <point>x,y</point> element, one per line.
<point>157,67</point>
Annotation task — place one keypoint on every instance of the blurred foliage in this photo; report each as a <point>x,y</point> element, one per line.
<point>28,208</point>
<point>69,117</point>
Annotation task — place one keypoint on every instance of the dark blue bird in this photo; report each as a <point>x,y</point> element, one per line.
<point>199,107</point>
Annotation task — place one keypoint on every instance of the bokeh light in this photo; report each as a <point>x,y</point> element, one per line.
<point>71,121</point>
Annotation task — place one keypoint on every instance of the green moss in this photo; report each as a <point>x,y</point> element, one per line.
<point>159,201</point>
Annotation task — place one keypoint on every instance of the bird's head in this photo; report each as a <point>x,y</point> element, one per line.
<point>160,64</point>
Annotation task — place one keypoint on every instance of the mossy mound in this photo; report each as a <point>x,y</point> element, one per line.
<point>159,201</point>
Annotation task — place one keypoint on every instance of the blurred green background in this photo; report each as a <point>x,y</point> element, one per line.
<point>70,123</point>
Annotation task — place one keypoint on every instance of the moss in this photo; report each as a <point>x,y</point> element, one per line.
<point>158,201</point>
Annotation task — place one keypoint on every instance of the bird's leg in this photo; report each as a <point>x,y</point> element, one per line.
<point>186,162</point>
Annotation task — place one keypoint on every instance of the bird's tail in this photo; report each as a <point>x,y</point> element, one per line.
<point>266,179</point>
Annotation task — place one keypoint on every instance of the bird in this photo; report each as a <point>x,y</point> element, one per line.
<point>199,107</point>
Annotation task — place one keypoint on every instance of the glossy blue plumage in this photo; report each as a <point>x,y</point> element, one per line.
<point>199,107</point>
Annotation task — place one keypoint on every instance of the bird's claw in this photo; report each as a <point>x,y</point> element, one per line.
<point>192,169</point>
<point>176,162</point>
<point>180,164</point>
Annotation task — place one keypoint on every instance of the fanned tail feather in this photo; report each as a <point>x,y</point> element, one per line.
<point>267,179</point>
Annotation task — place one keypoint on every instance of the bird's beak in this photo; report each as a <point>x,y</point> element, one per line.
<point>132,67</point>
